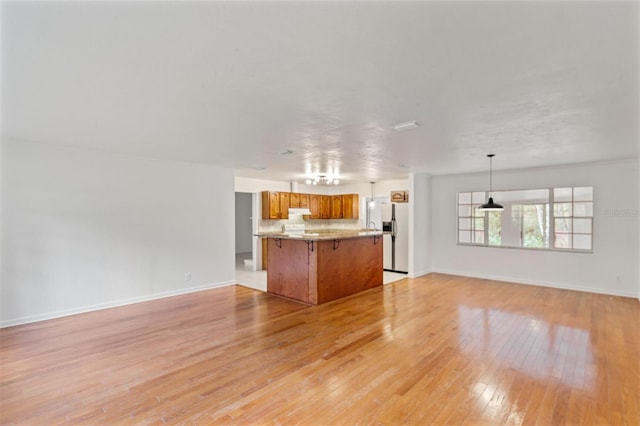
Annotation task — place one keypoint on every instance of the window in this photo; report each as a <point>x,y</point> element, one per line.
<point>557,219</point>
<point>573,218</point>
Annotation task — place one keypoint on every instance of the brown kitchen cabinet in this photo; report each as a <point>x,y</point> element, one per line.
<point>336,207</point>
<point>315,206</point>
<point>294,200</point>
<point>325,207</point>
<point>284,205</point>
<point>350,206</point>
<point>275,205</point>
<point>299,201</point>
<point>304,200</point>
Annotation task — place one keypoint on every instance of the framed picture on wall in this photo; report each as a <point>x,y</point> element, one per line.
<point>399,196</point>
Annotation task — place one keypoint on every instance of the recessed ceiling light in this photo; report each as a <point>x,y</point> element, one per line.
<point>286,152</point>
<point>408,125</point>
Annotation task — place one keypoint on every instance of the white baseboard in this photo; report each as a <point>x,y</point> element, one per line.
<point>107,305</point>
<point>561,286</point>
<point>419,273</point>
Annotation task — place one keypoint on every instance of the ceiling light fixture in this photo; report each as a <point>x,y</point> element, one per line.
<point>323,179</point>
<point>408,125</point>
<point>490,206</point>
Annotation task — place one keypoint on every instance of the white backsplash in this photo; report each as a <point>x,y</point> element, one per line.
<point>276,225</point>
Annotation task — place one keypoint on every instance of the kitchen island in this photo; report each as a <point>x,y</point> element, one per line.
<point>321,266</point>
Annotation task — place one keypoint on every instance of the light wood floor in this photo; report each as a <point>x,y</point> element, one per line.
<point>433,350</point>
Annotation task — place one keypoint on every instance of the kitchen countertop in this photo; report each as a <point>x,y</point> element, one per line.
<point>322,234</point>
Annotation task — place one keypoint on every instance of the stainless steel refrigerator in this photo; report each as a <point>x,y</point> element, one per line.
<point>395,223</point>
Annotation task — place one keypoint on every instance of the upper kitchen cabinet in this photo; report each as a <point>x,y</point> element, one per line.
<point>294,200</point>
<point>350,209</point>
<point>284,205</point>
<point>315,206</point>
<point>325,207</point>
<point>304,201</point>
<point>275,205</point>
<point>299,201</point>
<point>336,207</point>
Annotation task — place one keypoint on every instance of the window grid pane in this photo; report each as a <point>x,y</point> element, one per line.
<point>562,194</point>
<point>582,241</point>
<point>581,226</point>
<point>562,240</point>
<point>464,198</point>
<point>583,209</point>
<point>584,193</point>
<point>477,198</point>
<point>464,224</point>
<point>562,209</point>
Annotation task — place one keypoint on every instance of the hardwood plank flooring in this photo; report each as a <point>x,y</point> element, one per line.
<point>439,349</point>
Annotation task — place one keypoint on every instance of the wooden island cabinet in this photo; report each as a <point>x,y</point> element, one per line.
<point>320,269</point>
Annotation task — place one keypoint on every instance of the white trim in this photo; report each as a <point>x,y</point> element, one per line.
<point>419,273</point>
<point>557,250</point>
<point>107,305</point>
<point>538,283</point>
<point>256,244</point>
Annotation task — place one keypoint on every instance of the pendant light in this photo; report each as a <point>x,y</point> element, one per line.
<point>490,206</point>
<point>372,203</point>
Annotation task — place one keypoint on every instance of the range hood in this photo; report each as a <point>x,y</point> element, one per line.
<point>299,211</point>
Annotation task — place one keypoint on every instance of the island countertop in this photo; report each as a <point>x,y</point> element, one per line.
<point>322,234</point>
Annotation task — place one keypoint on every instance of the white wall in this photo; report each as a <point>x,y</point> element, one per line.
<point>244,234</point>
<point>420,239</point>
<point>242,184</point>
<point>380,189</point>
<point>86,230</point>
<point>612,268</point>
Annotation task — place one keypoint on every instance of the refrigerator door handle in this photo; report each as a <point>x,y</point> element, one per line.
<point>394,228</point>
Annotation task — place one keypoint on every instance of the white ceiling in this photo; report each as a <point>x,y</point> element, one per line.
<point>235,83</point>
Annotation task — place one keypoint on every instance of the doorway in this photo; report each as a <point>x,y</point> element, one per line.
<point>244,249</point>
<point>248,251</point>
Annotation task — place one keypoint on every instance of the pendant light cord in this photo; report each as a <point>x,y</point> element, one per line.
<point>490,174</point>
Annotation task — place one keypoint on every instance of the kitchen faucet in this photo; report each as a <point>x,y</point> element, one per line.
<point>374,225</point>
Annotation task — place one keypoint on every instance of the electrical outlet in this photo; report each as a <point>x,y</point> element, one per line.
<point>187,276</point>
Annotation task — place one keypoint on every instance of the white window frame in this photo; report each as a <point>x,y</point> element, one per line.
<point>552,220</point>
